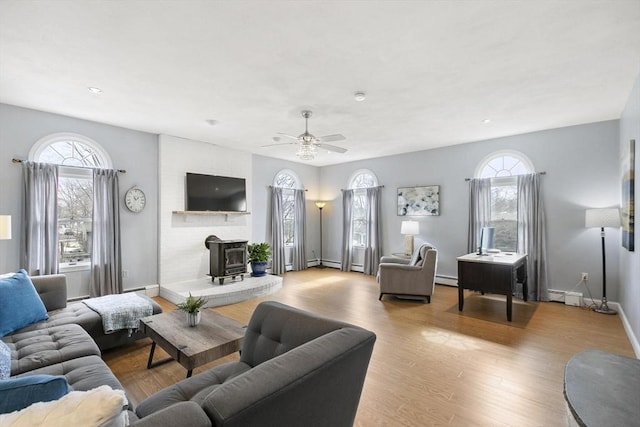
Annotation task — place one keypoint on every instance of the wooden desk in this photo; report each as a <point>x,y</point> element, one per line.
<point>495,274</point>
<point>216,336</point>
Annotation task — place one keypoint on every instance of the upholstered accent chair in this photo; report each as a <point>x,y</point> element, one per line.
<point>413,278</point>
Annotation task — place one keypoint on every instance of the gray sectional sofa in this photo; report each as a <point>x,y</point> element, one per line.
<point>295,368</point>
<point>68,342</point>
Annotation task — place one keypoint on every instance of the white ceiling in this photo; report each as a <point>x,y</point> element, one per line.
<point>432,70</point>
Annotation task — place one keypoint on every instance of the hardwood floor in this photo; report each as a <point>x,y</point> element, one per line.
<point>431,364</point>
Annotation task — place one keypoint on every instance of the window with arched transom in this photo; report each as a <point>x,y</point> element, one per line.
<point>288,181</point>
<point>77,156</point>
<point>359,182</point>
<point>503,168</point>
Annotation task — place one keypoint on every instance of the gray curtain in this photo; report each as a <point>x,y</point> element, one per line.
<point>299,222</point>
<point>276,231</point>
<point>347,229</point>
<point>106,259</point>
<point>40,218</point>
<point>532,235</point>
<point>479,211</point>
<point>373,249</point>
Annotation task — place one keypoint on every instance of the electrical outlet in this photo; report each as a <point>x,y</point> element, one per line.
<point>125,274</point>
<point>584,277</point>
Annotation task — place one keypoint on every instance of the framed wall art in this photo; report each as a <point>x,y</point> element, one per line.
<point>628,189</point>
<point>419,201</point>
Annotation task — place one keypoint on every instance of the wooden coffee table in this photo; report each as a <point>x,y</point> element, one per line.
<point>216,336</point>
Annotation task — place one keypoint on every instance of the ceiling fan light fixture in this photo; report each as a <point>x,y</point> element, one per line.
<point>306,152</point>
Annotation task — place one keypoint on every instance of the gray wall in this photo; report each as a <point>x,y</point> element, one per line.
<point>582,168</point>
<point>264,170</point>
<point>137,152</point>
<point>629,295</point>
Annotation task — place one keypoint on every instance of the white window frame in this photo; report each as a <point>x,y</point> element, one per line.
<point>76,172</point>
<point>359,195</point>
<point>504,180</point>
<point>288,198</point>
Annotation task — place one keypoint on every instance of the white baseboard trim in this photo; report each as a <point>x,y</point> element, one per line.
<point>446,280</point>
<point>635,344</point>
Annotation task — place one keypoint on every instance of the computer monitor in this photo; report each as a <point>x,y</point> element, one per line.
<point>487,239</point>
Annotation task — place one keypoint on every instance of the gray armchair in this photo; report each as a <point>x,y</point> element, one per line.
<point>411,279</point>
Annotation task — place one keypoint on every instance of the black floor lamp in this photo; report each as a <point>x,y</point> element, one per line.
<point>603,218</point>
<point>320,205</point>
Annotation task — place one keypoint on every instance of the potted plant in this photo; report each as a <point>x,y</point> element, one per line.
<point>191,306</point>
<point>259,254</point>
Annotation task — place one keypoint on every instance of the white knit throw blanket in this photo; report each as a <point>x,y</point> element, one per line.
<point>120,311</point>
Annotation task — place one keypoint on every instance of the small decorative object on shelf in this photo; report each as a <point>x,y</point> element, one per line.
<point>192,306</point>
<point>259,254</point>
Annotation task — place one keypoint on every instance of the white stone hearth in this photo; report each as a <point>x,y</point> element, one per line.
<point>231,292</point>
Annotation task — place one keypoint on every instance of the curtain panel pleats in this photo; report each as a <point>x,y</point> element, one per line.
<point>299,260</point>
<point>276,235</point>
<point>479,211</point>
<point>373,248</point>
<point>106,258</point>
<point>532,235</point>
<point>347,230</point>
<point>40,218</point>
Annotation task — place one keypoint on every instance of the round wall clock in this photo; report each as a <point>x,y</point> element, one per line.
<point>135,200</point>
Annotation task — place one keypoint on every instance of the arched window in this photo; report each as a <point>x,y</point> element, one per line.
<point>76,154</point>
<point>288,181</point>
<point>359,182</point>
<point>503,168</point>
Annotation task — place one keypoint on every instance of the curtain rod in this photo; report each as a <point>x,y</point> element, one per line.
<point>286,188</point>
<point>364,188</point>
<point>539,173</point>
<point>81,167</point>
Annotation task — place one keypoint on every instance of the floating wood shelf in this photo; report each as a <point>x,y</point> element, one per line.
<point>210,213</point>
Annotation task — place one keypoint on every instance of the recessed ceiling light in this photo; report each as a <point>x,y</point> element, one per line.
<point>211,122</point>
<point>486,121</point>
<point>359,96</point>
<point>94,89</point>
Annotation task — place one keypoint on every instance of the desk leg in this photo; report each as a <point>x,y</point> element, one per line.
<point>460,297</point>
<point>525,288</point>
<point>509,305</point>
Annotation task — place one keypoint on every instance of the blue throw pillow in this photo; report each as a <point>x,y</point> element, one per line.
<point>20,304</point>
<point>19,392</point>
<point>5,361</point>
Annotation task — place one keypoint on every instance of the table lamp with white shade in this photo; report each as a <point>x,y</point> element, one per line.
<point>608,217</point>
<point>409,229</point>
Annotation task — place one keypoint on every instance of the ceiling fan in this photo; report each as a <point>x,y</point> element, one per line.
<point>308,143</point>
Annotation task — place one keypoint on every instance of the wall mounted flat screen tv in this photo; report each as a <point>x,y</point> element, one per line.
<point>215,193</point>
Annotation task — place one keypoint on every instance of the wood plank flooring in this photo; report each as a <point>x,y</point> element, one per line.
<point>431,364</point>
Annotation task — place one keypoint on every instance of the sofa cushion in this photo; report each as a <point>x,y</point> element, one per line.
<point>20,392</point>
<point>275,328</point>
<point>101,406</point>
<point>75,313</point>
<point>5,361</point>
<point>194,389</point>
<point>20,304</point>
<point>44,347</point>
<point>83,373</point>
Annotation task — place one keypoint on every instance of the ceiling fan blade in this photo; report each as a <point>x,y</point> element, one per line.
<point>279,143</point>
<point>331,138</point>
<point>288,136</point>
<point>332,148</point>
